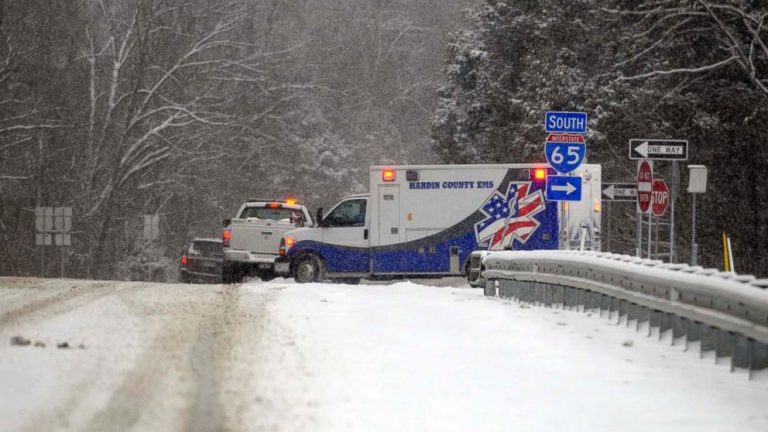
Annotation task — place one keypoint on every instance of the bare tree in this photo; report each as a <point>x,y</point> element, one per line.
<point>703,35</point>
<point>172,85</point>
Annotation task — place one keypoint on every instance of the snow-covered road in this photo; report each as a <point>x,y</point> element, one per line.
<point>317,357</point>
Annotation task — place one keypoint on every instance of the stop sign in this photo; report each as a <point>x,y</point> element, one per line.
<point>644,185</point>
<point>660,199</point>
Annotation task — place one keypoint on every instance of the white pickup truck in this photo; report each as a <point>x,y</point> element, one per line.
<point>251,239</point>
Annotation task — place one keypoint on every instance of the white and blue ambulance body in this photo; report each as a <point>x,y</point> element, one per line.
<point>425,220</point>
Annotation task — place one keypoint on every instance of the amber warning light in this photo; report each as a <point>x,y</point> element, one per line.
<point>388,175</point>
<point>540,174</point>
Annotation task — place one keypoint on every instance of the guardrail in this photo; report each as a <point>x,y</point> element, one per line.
<point>727,313</point>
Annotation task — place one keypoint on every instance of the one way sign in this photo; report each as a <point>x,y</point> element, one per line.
<point>658,149</point>
<point>619,192</point>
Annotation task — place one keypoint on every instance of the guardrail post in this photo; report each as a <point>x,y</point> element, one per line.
<point>623,310</point>
<point>692,333</point>
<point>708,340</point>
<point>643,315</point>
<point>723,345</point>
<point>759,355</point>
<point>631,312</point>
<point>654,321</point>
<point>664,324</point>
<point>490,288</point>
<point>742,353</point>
<point>679,328</point>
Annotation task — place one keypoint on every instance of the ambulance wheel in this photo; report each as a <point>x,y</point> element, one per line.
<point>308,268</point>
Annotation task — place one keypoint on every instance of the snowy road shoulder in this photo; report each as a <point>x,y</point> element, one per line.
<point>410,357</point>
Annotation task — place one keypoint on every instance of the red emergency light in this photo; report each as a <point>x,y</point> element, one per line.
<point>540,174</point>
<point>388,175</point>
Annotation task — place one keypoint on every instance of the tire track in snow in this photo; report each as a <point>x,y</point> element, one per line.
<point>61,301</point>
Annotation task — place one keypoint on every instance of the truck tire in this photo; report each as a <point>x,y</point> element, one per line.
<point>238,274</point>
<point>267,275</point>
<point>231,274</point>
<point>308,268</point>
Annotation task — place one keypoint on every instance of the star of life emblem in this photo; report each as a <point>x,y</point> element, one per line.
<point>510,217</point>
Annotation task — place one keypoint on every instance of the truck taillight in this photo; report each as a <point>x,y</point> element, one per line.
<point>184,260</point>
<point>225,236</point>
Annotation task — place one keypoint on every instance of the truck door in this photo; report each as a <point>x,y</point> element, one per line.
<point>346,237</point>
<point>389,232</point>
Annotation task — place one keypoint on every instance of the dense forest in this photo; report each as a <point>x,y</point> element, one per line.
<point>122,108</point>
<point>689,69</point>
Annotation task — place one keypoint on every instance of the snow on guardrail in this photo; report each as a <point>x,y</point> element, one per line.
<point>725,312</point>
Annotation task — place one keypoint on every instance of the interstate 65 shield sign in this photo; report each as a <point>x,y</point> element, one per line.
<point>565,152</point>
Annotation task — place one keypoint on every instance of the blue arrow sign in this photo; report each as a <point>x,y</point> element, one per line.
<point>564,188</point>
<point>565,157</point>
<point>566,122</point>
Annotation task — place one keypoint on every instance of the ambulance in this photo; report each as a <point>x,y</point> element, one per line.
<point>426,220</point>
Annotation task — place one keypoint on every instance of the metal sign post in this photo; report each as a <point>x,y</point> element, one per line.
<point>675,182</point>
<point>697,183</point>
<point>151,232</point>
<point>694,252</point>
<point>639,248</point>
<point>650,224</point>
<point>62,227</point>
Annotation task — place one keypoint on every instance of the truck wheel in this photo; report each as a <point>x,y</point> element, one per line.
<point>232,273</point>
<point>267,275</point>
<point>238,273</point>
<point>307,269</point>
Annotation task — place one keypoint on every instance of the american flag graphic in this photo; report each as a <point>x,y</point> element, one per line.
<point>510,217</point>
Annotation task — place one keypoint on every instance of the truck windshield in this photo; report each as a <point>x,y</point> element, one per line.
<point>272,214</point>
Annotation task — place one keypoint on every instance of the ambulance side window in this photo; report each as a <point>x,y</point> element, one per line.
<point>348,214</point>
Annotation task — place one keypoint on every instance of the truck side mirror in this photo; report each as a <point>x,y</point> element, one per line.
<point>226,222</point>
<point>319,217</point>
